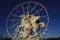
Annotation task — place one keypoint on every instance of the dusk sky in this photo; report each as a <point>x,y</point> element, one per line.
<point>53,7</point>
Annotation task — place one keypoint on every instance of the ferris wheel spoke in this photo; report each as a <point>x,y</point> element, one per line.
<point>14,20</point>
<point>17,10</point>
<point>23,9</point>
<point>15,15</point>
<point>43,16</point>
<point>33,8</point>
<point>15,24</point>
<point>28,8</point>
<point>20,34</point>
<point>17,32</point>
<point>37,11</point>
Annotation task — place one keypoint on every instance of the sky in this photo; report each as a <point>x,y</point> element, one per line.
<point>53,7</point>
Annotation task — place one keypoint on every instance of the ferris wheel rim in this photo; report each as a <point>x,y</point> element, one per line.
<point>20,4</point>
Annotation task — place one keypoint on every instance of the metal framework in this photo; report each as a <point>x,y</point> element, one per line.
<point>29,10</point>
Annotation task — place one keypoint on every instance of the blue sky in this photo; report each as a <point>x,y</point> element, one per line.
<point>53,7</point>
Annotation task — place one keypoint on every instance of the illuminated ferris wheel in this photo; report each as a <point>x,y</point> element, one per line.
<point>26,16</point>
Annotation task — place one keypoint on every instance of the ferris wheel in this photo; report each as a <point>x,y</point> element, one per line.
<point>27,9</point>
